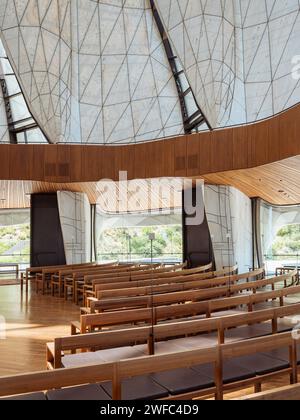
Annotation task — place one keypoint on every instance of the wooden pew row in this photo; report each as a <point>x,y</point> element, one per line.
<point>57,278</point>
<point>182,297</point>
<point>32,272</point>
<point>204,283</point>
<point>66,281</point>
<point>219,281</point>
<point>207,277</point>
<point>171,271</point>
<point>125,376</point>
<point>161,289</point>
<point>286,393</point>
<point>70,277</point>
<point>43,279</point>
<point>200,271</point>
<point>154,368</point>
<point>77,283</point>
<point>90,282</point>
<point>88,323</point>
<point>86,284</point>
<point>117,339</point>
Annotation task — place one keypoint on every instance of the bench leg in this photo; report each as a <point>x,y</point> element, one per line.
<point>257,388</point>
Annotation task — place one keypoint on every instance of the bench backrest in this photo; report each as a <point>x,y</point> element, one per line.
<point>286,393</point>
<point>184,296</point>
<point>33,270</point>
<point>205,283</point>
<point>163,288</point>
<point>115,271</point>
<point>163,313</point>
<point>151,334</point>
<point>181,274</point>
<point>104,270</point>
<point>125,369</point>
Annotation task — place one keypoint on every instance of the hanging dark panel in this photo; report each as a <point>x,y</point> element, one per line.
<point>258,258</point>
<point>47,247</point>
<point>197,243</point>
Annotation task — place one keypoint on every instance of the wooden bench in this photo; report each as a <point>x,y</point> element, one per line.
<point>91,322</point>
<point>287,269</point>
<point>181,297</point>
<point>70,280</point>
<point>149,335</point>
<point>170,280</point>
<point>162,288</point>
<point>57,279</point>
<point>87,286</point>
<point>48,276</point>
<point>89,281</point>
<point>157,274</point>
<point>167,278</point>
<point>249,276</point>
<point>287,393</point>
<point>43,278</point>
<point>32,272</point>
<point>179,375</point>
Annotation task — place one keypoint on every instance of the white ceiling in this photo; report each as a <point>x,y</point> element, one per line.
<point>97,72</point>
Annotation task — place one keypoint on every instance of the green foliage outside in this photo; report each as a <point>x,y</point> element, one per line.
<point>15,240</point>
<point>134,243</point>
<point>287,241</point>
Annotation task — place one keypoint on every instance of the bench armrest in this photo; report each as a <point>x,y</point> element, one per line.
<point>75,326</point>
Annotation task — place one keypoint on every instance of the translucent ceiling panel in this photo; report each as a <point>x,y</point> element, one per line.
<point>237,55</point>
<point>92,71</point>
<point>15,116</point>
<point>202,33</point>
<point>4,133</point>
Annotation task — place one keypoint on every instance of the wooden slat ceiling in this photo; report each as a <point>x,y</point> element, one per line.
<point>152,195</point>
<point>278,183</point>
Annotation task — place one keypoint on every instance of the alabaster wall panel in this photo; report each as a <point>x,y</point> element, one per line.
<point>230,223</point>
<point>75,218</point>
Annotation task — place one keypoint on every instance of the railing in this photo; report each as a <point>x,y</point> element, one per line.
<point>145,257</point>
<point>274,256</point>
<point>279,260</point>
<point>23,260</point>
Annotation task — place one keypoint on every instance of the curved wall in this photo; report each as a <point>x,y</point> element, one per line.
<point>187,156</point>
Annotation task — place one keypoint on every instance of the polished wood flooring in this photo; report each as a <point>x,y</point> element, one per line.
<point>30,323</point>
<point>33,321</point>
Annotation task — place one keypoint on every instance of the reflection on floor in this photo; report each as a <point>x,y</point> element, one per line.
<point>9,279</point>
<point>30,323</point>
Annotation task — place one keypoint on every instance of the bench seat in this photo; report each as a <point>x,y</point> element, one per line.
<point>102,356</point>
<point>140,388</point>
<point>262,363</point>
<point>81,359</point>
<point>169,346</point>
<point>36,396</point>
<point>93,392</point>
<point>182,381</point>
<point>248,367</point>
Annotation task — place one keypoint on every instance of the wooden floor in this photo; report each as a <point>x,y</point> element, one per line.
<point>34,321</point>
<point>30,324</point>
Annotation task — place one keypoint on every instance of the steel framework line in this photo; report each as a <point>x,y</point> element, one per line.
<point>193,121</point>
